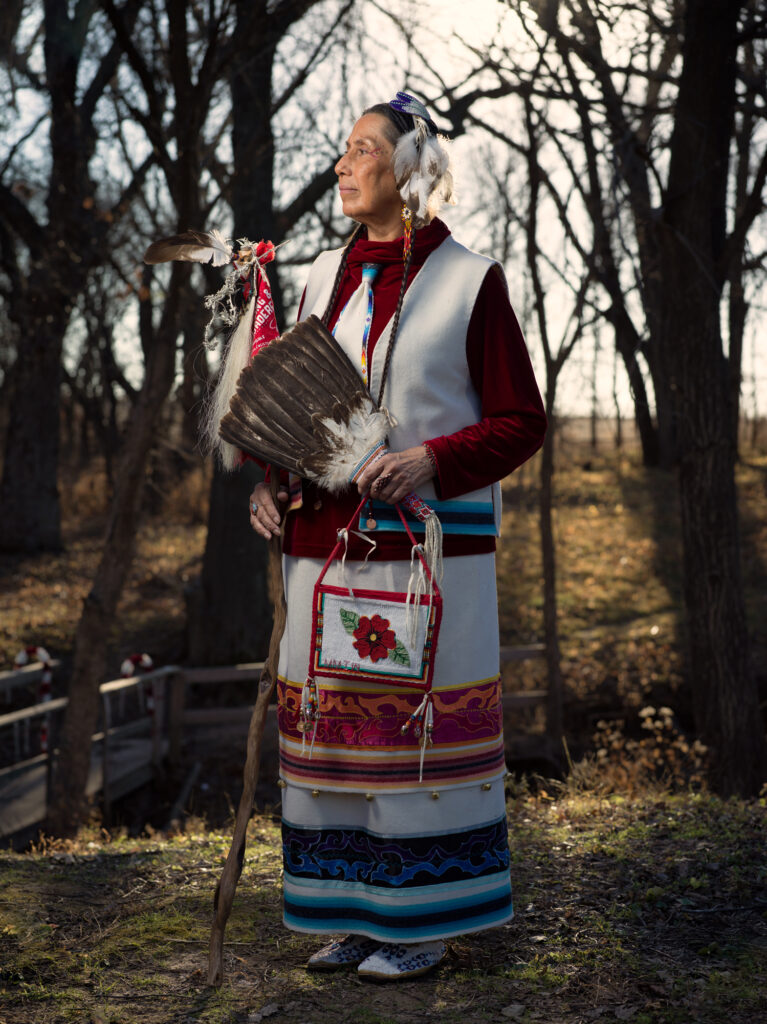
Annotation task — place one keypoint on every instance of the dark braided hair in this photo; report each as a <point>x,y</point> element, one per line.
<point>339,274</point>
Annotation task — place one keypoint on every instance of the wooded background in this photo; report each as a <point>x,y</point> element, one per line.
<point>617,158</point>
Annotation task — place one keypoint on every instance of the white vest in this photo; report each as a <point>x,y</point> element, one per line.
<point>428,391</point>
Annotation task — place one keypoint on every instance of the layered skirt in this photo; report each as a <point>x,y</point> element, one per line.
<point>368,847</point>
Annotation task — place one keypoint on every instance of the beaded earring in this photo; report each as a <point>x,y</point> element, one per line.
<point>407,220</point>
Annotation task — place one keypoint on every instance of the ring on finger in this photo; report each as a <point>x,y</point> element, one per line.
<point>383,481</point>
<point>253,508</point>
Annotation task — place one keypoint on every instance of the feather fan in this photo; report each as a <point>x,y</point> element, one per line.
<point>191,247</point>
<point>302,405</point>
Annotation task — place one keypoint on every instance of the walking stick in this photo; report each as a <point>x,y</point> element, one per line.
<point>230,876</point>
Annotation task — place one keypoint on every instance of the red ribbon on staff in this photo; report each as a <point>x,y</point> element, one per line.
<point>264,319</point>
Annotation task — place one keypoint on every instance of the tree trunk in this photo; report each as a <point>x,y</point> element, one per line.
<point>648,435</point>
<point>62,251</point>
<point>691,238</point>
<point>665,418</point>
<point>738,312</point>
<point>29,496</point>
<point>66,805</point>
<point>555,686</point>
<point>229,612</point>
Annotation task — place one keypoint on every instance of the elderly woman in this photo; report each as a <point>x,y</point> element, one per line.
<point>394,864</point>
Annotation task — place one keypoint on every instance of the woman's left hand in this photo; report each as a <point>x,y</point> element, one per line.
<point>396,474</point>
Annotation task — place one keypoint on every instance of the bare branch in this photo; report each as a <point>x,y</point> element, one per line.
<point>299,79</point>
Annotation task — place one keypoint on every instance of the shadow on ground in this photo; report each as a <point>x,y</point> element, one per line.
<point>649,910</point>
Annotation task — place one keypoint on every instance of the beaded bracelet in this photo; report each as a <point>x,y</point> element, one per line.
<point>432,457</point>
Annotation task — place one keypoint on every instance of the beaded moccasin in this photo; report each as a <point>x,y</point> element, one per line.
<point>342,953</point>
<point>394,962</point>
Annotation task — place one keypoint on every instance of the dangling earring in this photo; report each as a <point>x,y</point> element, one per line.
<point>407,220</point>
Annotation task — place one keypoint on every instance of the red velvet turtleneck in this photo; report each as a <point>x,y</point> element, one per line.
<point>510,431</point>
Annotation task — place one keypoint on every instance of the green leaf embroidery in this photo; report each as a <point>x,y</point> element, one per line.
<point>400,655</point>
<point>349,620</point>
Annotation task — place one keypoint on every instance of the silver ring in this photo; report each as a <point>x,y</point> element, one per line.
<point>253,508</point>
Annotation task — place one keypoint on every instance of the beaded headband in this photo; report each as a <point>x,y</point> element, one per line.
<point>404,103</point>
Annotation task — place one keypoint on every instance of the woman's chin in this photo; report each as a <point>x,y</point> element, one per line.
<point>351,210</point>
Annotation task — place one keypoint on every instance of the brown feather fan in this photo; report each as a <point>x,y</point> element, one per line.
<point>301,404</point>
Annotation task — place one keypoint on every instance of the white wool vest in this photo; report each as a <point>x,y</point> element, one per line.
<point>428,391</point>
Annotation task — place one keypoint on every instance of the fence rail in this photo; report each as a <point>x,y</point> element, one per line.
<point>25,676</point>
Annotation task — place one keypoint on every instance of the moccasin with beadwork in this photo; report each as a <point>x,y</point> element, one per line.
<point>395,962</point>
<point>342,953</point>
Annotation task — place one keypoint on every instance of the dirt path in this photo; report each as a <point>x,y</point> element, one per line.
<point>643,910</point>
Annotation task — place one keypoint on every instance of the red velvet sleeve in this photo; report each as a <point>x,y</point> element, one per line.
<point>513,419</point>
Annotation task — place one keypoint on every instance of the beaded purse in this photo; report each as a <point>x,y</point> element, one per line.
<point>374,636</point>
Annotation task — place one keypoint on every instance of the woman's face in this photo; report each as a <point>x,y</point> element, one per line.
<point>366,180</point>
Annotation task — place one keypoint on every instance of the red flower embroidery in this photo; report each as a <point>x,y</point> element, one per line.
<point>374,638</point>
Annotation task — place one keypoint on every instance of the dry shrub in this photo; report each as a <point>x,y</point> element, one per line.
<point>662,759</point>
<point>186,501</point>
<point>85,495</point>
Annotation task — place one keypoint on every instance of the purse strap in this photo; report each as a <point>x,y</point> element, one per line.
<point>414,544</point>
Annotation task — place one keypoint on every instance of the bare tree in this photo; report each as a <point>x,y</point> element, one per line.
<point>676,189</point>
<point>196,61</point>
<point>55,221</point>
<point>695,253</point>
<point>577,281</point>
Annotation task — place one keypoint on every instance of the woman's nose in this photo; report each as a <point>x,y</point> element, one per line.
<point>342,166</point>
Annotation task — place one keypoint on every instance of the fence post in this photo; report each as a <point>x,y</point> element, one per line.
<point>106,722</point>
<point>158,719</point>
<point>176,717</point>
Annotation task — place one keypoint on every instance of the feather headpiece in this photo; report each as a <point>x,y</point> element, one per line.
<point>421,162</point>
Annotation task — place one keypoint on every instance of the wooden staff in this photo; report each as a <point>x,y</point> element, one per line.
<point>230,876</point>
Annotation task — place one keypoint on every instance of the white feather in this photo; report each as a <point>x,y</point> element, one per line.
<point>191,247</point>
<point>434,160</point>
<point>366,427</point>
<point>236,356</point>
<point>421,165</point>
<point>416,194</point>
<point>220,251</point>
<point>405,158</point>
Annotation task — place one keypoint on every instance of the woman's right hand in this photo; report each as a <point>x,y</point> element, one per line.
<point>266,519</point>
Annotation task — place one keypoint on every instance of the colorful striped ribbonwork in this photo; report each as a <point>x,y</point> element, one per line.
<point>403,888</point>
<point>360,744</point>
<point>468,518</point>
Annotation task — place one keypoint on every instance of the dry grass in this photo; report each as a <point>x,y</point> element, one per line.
<point>41,596</point>
<point>650,909</point>
<point>619,585</point>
